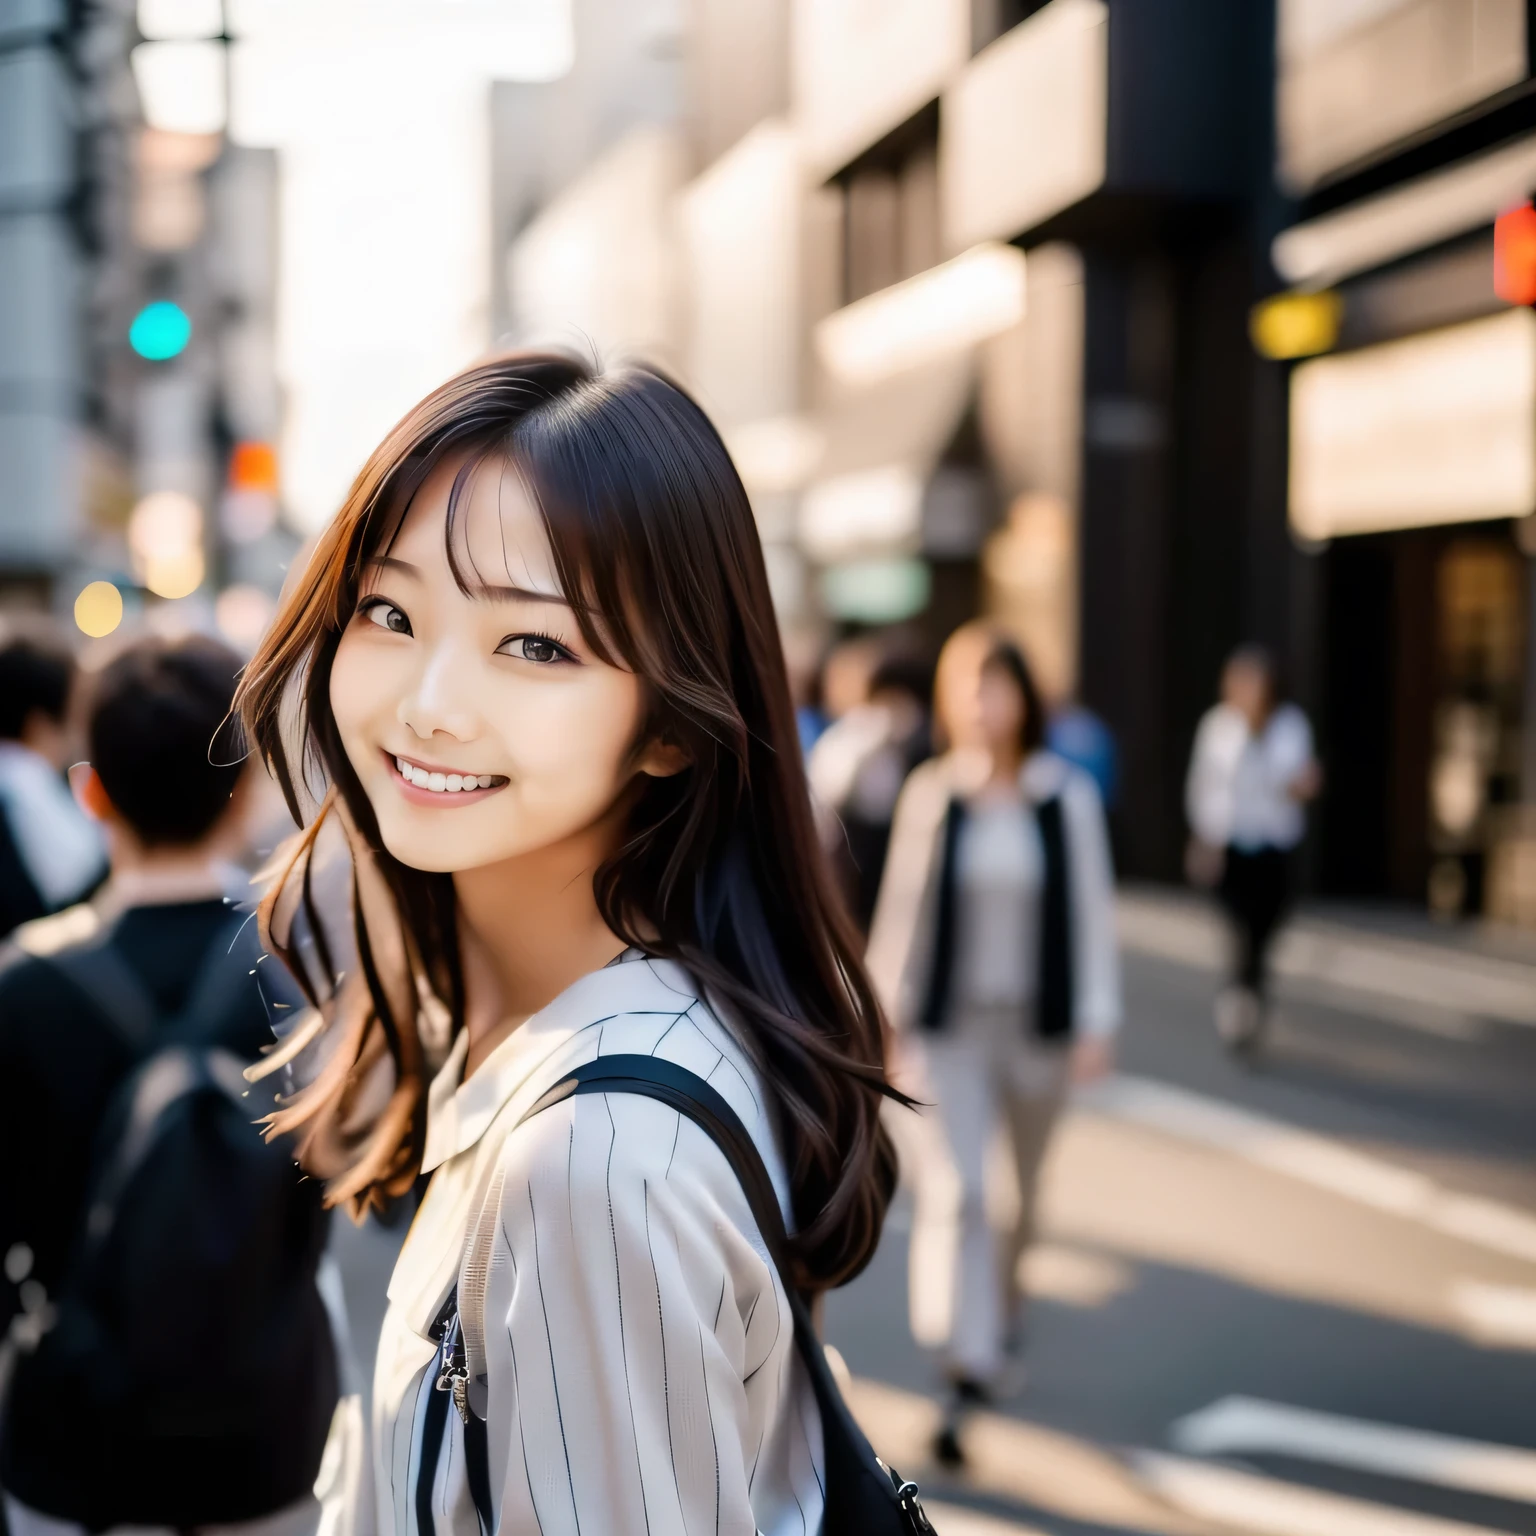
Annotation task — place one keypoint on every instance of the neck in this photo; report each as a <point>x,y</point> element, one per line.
<point>528,927</point>
<point>1006,763</point>
<point>143,877</point>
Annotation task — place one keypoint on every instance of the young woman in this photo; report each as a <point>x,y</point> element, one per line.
<point>1251,773</point>
<point>993,946</point>
<point>533,672</point>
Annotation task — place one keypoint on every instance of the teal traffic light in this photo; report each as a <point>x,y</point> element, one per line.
<point>160,330</point>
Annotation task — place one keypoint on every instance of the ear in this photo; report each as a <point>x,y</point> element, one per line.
<point>90,793</point>
<point>663,759</point>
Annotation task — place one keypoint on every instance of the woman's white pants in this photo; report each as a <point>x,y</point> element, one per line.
<point>974,1162</point>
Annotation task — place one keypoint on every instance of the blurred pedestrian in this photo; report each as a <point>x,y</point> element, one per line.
<point>1251,773</point>
<point>51,854</point>
<point>176,1366</point>
<point>857,769</point>
<point>993,947</point>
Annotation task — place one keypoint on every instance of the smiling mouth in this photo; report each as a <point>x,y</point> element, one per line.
<point>451,786</point>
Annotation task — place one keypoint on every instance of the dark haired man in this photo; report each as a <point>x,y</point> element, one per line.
<point>166,781</point>
<point>50,853</point>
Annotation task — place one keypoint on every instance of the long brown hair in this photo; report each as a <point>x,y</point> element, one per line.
<point>719,868</point>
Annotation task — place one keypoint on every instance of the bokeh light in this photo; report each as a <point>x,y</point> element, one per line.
<point>165,538</point>
<point>98,609</point>
<point>160,331</point>
<point>242,613</point>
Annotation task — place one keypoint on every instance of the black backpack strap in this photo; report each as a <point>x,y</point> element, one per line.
<point>99,971</point>
<point>156,1089</point>
<point>869,1497</point>
<point>112,986</point>
<point>209,993</point>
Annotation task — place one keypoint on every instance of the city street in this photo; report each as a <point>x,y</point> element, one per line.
<point>1347,1230</point>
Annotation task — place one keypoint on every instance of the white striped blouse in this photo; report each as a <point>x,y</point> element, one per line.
<point>641,1365</point>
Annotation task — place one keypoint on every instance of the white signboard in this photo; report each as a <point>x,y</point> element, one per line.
<point>1439,428</point>
<point>1023,130</point>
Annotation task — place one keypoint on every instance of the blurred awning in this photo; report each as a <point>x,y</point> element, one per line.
<point>879,447</point>
<point>1437,428</point>
<point>1419,213</point>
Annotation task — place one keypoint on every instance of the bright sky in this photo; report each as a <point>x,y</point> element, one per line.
<point>380,111</point>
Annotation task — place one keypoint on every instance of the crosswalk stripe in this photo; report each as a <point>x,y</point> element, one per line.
<point>1247,1424</point>
<point>1265,1506</point>
<point>1424,979</point>
<point>1316,1160</point>
<point>1502,1315</point>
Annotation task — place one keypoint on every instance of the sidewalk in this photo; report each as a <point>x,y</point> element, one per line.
<point>1370,959</point>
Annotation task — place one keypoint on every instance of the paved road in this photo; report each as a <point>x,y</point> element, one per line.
<point>1297,1299</point>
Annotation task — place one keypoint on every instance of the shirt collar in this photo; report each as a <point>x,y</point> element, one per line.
<point>460,1110</point>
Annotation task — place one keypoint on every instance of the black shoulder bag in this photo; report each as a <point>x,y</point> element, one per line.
<point>864,1497</point>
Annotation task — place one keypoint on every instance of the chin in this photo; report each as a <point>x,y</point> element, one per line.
<point>430,849</point>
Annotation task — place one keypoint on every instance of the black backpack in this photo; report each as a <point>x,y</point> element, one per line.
<point>864,1497</point>
<point>189,1343</point>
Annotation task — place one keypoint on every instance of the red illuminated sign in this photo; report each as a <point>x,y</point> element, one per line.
<point>1514,255</point>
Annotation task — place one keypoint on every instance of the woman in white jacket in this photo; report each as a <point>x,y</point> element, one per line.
<point>1251,773</point>
<point>993,948</point>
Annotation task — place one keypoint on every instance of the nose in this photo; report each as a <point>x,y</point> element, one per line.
<point>442,702</point>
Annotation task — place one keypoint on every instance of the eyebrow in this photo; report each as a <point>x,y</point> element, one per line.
<point>487,589</point>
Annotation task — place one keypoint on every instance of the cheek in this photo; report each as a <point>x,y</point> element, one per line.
<point>361,683</point>
<point>575,740</point>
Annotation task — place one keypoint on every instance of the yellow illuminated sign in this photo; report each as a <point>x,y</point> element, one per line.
<point>1296,324</point>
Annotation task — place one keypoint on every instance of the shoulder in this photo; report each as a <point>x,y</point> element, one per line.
<point>1046,776</point>
<point>63,930</point>
<point>34,992</point>
<point>927,790</point>
<point>1289,723</point>
<point>592,1143</point>
<point>1220,723</point>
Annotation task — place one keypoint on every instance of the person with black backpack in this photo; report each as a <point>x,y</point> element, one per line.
<point>174,1366</point>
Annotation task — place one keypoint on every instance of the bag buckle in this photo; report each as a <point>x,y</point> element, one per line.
<point>453,1368</point>
<point>909,1502</point>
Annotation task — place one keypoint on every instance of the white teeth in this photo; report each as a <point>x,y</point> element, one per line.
<point>442,783</point>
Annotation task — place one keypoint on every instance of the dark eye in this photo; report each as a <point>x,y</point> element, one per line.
<point>535,648</point>
<point>387,616</point>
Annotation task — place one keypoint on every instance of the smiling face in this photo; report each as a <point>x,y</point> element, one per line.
<point>482,727</point>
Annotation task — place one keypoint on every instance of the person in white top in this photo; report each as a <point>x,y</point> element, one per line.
<point>993,949</point>
<point>532,673</point>
<point>1251,773</point>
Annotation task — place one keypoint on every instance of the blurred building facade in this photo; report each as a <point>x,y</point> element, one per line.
<point>66,109</point>
<point>138,404</point>
<point>965,284</point>
<point>1407,137</point>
